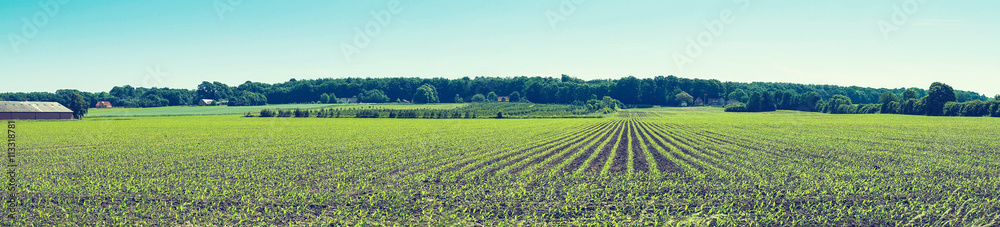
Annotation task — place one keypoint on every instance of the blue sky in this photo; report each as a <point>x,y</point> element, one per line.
<point>93,46</point>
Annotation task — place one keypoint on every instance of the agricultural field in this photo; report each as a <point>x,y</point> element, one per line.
<point>637,167</point>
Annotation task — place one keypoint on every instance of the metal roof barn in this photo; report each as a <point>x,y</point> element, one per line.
<point>33,110</point>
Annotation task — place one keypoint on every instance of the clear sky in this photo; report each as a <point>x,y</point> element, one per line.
<point>95,45</point>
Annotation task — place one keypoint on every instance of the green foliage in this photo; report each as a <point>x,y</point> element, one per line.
<point>334,99</point>
<point>767,103</point>
<point>478,98</point>
<point>739,95</point>
<point>659,90</point>
<point>481,110</point>
<point>373,96</point>
<point>836,105</point>
<point>995,108</point>
<point>891,108</point>
<point>515,96</point>
<point>491,97</point>
<point>324,98</point>
<point>458,99</point>
<point>910,94</point>
<point>968,109</point>
<point>885,99</point>
<point>268,113</point>
<point>426,94</point>
<point>737,107</point>
<point>755,102</point>
<point>246,98</point>
<point>937,96</point>
<point>912,107</point>
<point>684,97</point>
<point>79,106</point>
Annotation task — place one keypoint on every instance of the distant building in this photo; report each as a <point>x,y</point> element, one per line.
<point>716,102</point>
<point>33,110</point>
<point>503,98</point>
<point>699,102</point>
<point>103,104</point>
<point>206,102</point>
<point>348,100</point>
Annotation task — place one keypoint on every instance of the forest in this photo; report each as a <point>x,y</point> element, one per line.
<point>632,91</point>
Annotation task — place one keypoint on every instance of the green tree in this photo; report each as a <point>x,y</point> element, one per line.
<point>684,97</point>
<point>738,95</point>
<point>885,99</point>
<point>910,94</point>
<point>324,98</point>
<point>833,105</point>
<point>373,96</point>
<point>515,97</point>
<point>491,97</point>
<point>458,99</point>
<point>426,94</point>
<point>478,98</point>
<point>333,98</point>
<point>755,102</point>
<point>937,96</point>
<point>79,105</point>
<point>767,103</point>
<point>810,101</point>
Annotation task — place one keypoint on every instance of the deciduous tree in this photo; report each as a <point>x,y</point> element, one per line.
<point>937,96</point>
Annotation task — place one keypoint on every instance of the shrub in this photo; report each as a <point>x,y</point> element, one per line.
<point>737,107</point>
<point>267,113</point>
<point>995,109</point>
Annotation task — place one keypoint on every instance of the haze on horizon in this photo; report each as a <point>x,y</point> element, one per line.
<point>93,46</point>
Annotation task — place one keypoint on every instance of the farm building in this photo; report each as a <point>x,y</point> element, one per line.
<point>33,110</point>
<point>699,102</point>
<point>716,102</point>
<point>503,99</point>
<point>103,104</point>
<point>206,102</point>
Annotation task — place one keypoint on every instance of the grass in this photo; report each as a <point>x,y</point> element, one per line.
<point>657,166</point>
<point>230,110</point>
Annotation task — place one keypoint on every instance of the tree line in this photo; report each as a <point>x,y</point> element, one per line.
<point>939,100</point>
<point>660,90</point>
<point>475,110</point>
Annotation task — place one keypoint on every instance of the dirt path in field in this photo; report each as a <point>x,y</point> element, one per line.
<point>662,163</point>
<point>620,162</point>
<point>552,163</point>
<point>548,154</point>
<point>457,164</point>
<point>638,154</point>
<point>597,164</point>
<point>548,146</point>
<point>579,160</point>
<point>660,138</point>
